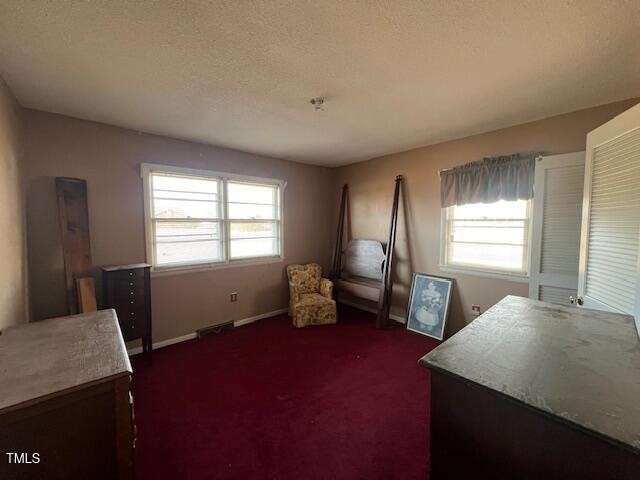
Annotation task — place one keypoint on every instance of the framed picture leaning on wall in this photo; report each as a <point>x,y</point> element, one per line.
<point>429,304</point>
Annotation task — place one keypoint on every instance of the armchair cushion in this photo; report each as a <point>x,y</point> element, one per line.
<point>306,278</point>
<point>314,309</point>
<point>309,298</point>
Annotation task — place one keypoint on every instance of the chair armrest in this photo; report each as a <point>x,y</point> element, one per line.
<point>294,296</point>
<point>326,288</point>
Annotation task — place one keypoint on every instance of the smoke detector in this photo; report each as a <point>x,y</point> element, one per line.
<point>317,102</point>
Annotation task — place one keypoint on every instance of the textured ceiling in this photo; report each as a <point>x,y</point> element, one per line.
<point>396,74</point>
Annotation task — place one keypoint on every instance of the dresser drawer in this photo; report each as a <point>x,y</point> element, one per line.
<point>132,332</point>
<point>132,321</point>
<point>122,275</point>
<point>130,301</point>
<point>128,295</point>
<point>126,285</point>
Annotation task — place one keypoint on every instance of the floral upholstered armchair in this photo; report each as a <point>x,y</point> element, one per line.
<point>310,301</point>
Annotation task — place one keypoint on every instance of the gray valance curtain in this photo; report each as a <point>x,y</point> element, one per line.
<point>489,180</point>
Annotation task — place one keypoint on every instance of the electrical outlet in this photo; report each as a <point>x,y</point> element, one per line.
<point>475,310</point>
<point>233,296</point>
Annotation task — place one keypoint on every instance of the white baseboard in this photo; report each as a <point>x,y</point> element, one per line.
<point>246,321</point>
<point>163,343</point>
<point>392,316</point>
<point>191,336</point>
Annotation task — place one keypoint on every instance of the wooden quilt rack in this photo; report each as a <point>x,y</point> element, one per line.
<point>366,271</point>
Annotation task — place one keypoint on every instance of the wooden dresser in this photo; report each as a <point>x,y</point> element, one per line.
<point>532,390</point>
<point>127,288</point>
<point>65,400</point>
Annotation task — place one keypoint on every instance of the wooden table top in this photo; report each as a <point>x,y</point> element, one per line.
<point>580,366</point>
<point>130,266</point>
<point>46,358</point>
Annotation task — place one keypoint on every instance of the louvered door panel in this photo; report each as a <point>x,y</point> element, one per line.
<point>561,219</point>
<point>614,223</point>
<point>557,295</point>
<point>610,237</point>
<point>559,183</point>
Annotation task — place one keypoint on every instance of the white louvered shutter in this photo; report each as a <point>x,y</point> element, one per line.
<point>610,240</point>
<point>557,215</point>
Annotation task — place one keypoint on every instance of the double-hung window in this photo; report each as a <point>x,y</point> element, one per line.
<point>487,237</point>
<point>199,218</point>
<point>252,219</point>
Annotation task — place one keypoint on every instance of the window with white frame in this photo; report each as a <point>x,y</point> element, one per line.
<point>488,237</point>
<point>199,218</point>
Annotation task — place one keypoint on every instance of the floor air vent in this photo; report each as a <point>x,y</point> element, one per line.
<point>213,330</point>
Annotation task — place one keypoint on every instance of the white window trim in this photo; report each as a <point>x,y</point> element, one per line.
<point>145,172</point>
<point>513,276</point>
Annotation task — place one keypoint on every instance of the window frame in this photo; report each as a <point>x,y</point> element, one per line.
<point>146,169</point>
<point>502,274</point>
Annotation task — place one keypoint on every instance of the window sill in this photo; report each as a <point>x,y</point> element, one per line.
<point>179,270</point>
<point>511,277</point>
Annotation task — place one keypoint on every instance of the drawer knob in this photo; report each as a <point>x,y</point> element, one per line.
<point>131,274</point>
<point>131,284</point>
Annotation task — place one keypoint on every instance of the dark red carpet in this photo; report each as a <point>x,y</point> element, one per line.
<point>268,401</point>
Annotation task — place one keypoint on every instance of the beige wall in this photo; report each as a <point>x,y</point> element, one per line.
<point>109,159</point>
<point>418,243</point>
<point>12,237</point>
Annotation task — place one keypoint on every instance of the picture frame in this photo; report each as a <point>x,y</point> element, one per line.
<point>429,304</point>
